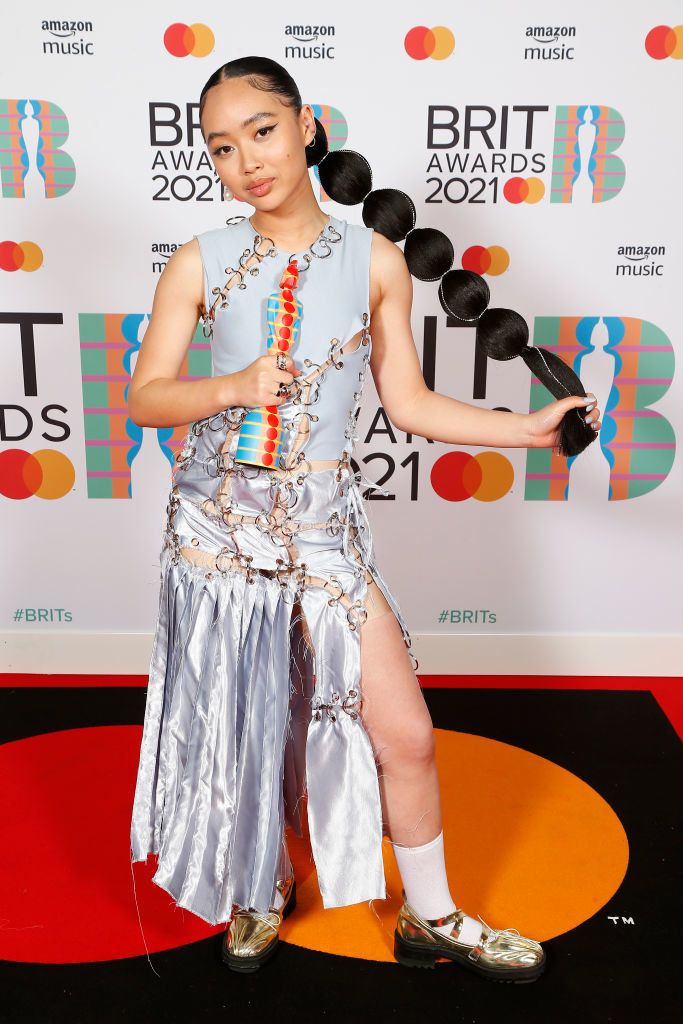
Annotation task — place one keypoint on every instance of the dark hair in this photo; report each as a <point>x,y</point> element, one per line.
<point>266,74</point>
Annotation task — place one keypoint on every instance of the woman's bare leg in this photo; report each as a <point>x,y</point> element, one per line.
<point>400,730</point>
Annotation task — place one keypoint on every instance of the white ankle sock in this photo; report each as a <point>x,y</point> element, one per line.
<point>423,873</point>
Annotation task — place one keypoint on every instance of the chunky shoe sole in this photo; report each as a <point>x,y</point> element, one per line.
<point>419,956</point>
<point>249,964</point>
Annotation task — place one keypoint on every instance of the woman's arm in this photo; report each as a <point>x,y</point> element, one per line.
<point>405,397</point>
<point>156,398</point>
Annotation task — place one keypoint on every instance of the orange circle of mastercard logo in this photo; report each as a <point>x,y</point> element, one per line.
<point>189,40</point>
<point>662,42</point>
<point>486,476</point>
<point>523,190</point>
<point>535,865</point>
<point>493,260</point>
<point>437,43</point>
<point>20,256</point>
<point>46,473</point>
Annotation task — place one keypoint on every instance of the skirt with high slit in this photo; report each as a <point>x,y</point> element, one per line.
<point>255,684</point>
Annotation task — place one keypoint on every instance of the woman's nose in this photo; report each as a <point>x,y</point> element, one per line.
<point>249,161</point>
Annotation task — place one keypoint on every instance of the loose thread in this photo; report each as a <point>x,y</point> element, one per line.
<point>137,907</point>
<point>371,904</point>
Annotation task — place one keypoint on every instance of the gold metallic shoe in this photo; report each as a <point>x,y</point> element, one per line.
<point>251,938</point>
<point>498,955</point>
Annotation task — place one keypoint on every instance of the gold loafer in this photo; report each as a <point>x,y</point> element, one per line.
<point>498,955</point>
<point>252,938</point>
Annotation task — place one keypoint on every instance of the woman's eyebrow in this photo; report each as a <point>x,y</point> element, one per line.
<point>262,114</point>
<point>257,117</point>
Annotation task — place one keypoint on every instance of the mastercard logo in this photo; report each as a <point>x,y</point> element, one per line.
<point>662,41</point>
<point>437,43</point>
<point>493,261</point>
<point>189,40</point>
<point>47,474</point>
<point>20,256</point>
<point>457,476</point>
<point>523,190</point>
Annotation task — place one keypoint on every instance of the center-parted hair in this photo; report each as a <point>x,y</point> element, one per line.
<point>346,176</point>
<point>269,76</point>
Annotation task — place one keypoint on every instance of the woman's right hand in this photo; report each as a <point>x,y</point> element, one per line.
<point>258,384</point>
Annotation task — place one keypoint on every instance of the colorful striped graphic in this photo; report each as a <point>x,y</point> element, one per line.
<point>54,166</point>
<point>638,443</point>
<point>606,171</point>
<point>112,440</point>
<point>260,437</point>
<point>337,131</point>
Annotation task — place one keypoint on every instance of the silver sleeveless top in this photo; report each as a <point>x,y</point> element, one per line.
<point>242,268</point>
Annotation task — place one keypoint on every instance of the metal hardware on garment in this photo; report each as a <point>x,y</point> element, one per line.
<point>335,704</point>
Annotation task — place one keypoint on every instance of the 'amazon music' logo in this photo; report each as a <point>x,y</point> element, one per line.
<point>640,260</point>
<point>309,42</point>
<point>548,42</point>
<point>67,37</point>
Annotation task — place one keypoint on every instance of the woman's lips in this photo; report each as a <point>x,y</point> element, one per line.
<point>262,188</point>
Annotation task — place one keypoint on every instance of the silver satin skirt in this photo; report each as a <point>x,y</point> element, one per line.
<point>254,684</point>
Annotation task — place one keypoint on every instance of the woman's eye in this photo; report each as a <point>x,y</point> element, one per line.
<point>265,130</point>
<point>221,151</point>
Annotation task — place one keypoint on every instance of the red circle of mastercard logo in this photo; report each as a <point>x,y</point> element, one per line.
<point>20,256</point>
<point>189,40</point>
<point>486,476</point>
<point>46,473</point>
<point>662,42</point>
<point>437,43</point>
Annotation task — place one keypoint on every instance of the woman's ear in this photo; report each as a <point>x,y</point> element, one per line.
<point>307,119</point>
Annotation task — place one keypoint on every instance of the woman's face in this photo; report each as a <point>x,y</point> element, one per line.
<point>257,142</point>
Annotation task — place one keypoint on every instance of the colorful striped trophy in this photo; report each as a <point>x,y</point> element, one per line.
<point>260,437</point>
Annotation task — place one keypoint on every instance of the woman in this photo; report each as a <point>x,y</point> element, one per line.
<point>280,663</point>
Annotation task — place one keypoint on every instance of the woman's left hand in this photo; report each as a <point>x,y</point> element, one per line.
<point>544,424</point>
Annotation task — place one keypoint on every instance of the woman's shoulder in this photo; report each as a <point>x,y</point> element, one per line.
<point>230,232</point>
<point>356,231</point>
<point>382,249</point>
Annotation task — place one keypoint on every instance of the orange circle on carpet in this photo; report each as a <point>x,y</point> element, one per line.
<point>529,845</point>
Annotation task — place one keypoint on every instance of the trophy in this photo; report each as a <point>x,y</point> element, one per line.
<point>260,437</point>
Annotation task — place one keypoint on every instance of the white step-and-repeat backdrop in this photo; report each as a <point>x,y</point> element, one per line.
<point>544,139</point>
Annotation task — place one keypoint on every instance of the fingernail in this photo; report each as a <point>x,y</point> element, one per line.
<point>590,407</point>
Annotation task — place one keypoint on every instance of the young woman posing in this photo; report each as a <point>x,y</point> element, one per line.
<point>280,664</point>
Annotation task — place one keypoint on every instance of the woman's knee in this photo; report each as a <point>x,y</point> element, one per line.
<point>409,743</point>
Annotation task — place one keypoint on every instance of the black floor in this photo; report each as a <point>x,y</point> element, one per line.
<point>619,742</point>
